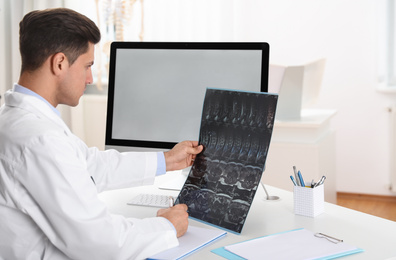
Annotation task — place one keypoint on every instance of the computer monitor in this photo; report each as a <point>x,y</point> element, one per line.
<point>157,89</point>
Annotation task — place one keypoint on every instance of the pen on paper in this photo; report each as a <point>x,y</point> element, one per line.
<point>171,202</point>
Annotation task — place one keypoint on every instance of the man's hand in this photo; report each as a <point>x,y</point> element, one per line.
<point>182,155</point>
<point>178,216</point>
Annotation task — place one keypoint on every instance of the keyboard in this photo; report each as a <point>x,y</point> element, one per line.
<point>151,200</point>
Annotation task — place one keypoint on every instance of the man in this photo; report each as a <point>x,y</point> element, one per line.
<point>49,179</point>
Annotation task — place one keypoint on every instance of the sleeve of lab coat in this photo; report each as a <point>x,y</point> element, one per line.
<point>113,170</point>
<point>62,200</point>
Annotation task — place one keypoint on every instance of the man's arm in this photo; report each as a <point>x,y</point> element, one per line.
<point>62,201</point>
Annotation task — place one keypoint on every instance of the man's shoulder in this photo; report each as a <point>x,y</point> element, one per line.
<point>19,120</point>
<point>20,128</point>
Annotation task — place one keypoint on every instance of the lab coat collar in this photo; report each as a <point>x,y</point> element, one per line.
<point>34,105</point>
<point>23,90</point>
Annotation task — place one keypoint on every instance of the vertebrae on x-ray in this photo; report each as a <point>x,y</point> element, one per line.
<point>236,130</point>
<point>233,130</point>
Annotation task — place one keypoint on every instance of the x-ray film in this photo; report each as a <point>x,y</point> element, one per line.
<point>236,129</point>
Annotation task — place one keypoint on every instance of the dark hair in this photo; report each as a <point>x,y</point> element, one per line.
<point>50,31</point>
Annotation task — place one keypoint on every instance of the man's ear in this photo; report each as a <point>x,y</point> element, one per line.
<point>59,63</point>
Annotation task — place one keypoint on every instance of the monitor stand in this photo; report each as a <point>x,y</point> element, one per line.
<point>177,182</point>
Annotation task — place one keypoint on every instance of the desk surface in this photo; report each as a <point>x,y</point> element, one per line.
<point>377,236</point>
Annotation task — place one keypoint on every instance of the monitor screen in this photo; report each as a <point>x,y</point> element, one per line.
<point>156,89</point>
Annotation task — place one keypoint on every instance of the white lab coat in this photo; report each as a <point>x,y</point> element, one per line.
<point>49,208</point>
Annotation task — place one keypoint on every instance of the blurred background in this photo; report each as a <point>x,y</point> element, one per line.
<point>356,93</point>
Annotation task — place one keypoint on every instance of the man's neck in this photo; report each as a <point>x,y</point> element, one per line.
<point>40,84</point>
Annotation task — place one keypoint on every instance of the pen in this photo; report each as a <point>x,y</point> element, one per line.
<point>321,181</point>
<point>171,202</point>
<point>301,179</point>
<point>313,183</point>
<point>294,182</point>
<point>296,176</point>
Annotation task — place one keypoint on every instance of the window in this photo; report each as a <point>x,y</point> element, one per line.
<point>120,20</point>
<point>387,47</point>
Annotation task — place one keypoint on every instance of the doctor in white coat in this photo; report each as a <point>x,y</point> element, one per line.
<point>49,179</point>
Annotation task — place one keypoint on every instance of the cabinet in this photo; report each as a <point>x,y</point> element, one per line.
<point>309,144</point>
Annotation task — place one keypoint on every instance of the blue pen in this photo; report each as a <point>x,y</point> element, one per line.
<point>294,182</point>
<point>301,179</point>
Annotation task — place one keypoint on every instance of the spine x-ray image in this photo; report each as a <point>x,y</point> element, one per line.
<point>236,129</point>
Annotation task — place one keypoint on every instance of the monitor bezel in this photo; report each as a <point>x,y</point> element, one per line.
<point>110,141</point>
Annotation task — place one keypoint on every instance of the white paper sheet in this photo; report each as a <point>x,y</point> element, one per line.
<point>295,244</point>
<point>194,239</point>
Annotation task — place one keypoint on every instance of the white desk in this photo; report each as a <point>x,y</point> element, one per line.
<point>375,235</point>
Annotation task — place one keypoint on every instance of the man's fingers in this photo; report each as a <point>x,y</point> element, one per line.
<point>181,207</point>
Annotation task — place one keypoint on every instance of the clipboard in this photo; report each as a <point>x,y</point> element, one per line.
<point>294,244</point>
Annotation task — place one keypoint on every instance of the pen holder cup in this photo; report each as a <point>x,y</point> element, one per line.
<point>308,202</point>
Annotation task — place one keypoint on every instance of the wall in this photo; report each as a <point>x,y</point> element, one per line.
<point>3,81</point>
<point>5,70</point>
<point>346,33</point>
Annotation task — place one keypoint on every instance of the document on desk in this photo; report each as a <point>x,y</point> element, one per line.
<point>194,239</point>
<point>294,244</point>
